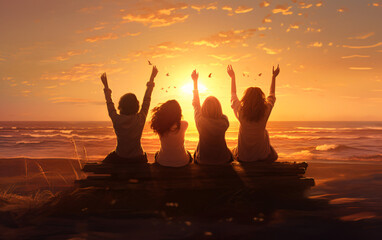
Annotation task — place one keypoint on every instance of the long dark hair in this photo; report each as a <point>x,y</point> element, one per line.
<point>253,104</point>
<point>165,116</point>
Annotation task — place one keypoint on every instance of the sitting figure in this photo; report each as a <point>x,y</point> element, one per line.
<point>166,122</point>
<point>128,124</point>
<point>253,112</point>
<point>211,124</point>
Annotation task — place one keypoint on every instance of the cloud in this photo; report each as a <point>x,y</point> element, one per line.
<point>310,29</point>
<point>164,15</point>
<point>375,4</point>
<point>225,37</point>
<point>282,9</point>
<point>341,10</point>
<point>315,44</point>
<point>70,100</point>
<point>2,59</point>
<point>267,19</point>
<point>312,89</point>
<point>243,9</point>
<point>69,54</point>
<point>292,26</point>
<point>361,47</point>
<point>364,36</point>
<point>161,50</point>
<point>319,4</point>
<point>107,36</point>
<point>355,56</point>
<point>80,72</point>
<point>238,10</point>
<point>97,27</point>
<point>211,6</point>
<point>264,4</point>
<point>230,58</point>
<point>271,51</point>
<point>360,68</point>
<point>305,6</point>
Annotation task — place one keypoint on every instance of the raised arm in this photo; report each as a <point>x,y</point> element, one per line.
<point>109,102</point>
<point>235,103</point>
<point>275,73</point>
<point>231,73</point>
<point>147,98</point>
<point>196,100</point>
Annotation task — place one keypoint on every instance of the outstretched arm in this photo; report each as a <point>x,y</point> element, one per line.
<point>231,73</point>
<point>235,103</point>
<point>275,73</point>
<point>196,100</point>
<point>147,98</point>
<point>109,101</point>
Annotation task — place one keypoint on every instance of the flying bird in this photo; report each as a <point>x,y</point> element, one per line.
<point>174,87</point>
<point>168,74</point>
<point>210,75</point>
<point>149,62</point>
<point>260,74</point>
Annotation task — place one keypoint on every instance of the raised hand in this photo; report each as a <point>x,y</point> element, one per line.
<point>276,72</point>
<point>104,80</point>
<point>230,71</point>
<point>154,73</point>
<point>195,75</point>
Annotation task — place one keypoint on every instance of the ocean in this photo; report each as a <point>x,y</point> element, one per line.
<point>355,142</point>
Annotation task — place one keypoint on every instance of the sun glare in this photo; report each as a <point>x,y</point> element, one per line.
<point>189,87</point>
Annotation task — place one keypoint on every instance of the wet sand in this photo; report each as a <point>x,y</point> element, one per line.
<point>346,203</point>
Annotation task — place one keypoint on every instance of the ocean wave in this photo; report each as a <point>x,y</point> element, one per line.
<point>334,147</point>
<point>6,136</point>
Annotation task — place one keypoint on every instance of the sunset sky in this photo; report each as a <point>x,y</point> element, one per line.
<point>53,52</point>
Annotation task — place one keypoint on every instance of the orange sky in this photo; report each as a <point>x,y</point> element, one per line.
<point>53,52</point>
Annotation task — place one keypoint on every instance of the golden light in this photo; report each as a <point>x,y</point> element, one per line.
<point>189,87</point>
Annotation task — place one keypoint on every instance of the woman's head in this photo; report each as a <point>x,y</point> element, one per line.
<point>212,108</point>
<point>165,116</point>
<point>128,104</point>
<point>253,104</point>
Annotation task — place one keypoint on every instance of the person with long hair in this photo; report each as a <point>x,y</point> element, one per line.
<point>253,111</point>
<point>128,124</point>
<point>211,124</point>
<point>166,122</point>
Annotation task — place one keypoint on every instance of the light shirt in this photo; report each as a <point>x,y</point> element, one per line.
<point>172,152</point>
<point>253,140</point>
<point>128,128</point>
<point>212,147</point>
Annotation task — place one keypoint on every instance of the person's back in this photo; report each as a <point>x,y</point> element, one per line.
<point>211,124</point>
<point>253,112</point>
<point>166,122</point>
<point>128,124</point>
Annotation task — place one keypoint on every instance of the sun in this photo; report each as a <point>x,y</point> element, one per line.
<point>189,87</point>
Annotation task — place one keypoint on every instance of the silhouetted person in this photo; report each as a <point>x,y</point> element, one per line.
<point>253,112</point>
<point>128,124</point>
<point>212,125</point>
<point>166,122</point>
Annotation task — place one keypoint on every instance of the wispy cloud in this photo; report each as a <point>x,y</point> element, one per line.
<point>283,9</point>
<point>341,10</point>
<point>68,55</point>
<point>361,47</point>
<point>225,37</point>
<point>355,56</point>
<point>363,36</point>
<point>315,44</point>
<point>360,68</point>
<point>232,58</point>
<point>264,4</point>
<point>164,15</point>
<point>267,19</point>
<point>107,36</point>
<point>238,10</point>
<point>80,72</point>
<point>211,6</point>
<point>271,51</point>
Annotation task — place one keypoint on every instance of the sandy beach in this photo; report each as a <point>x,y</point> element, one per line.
<point>345,203</point>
